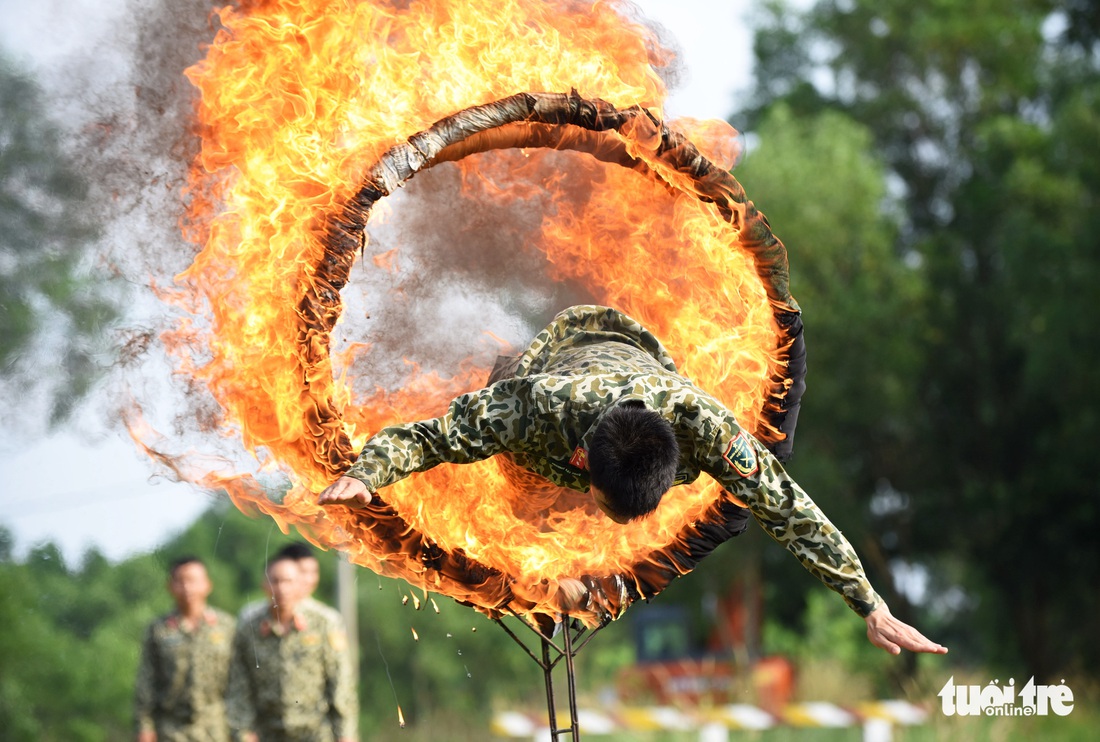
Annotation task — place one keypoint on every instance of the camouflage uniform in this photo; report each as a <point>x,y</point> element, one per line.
<point>258,607</point>
<point>586,361</point>
<point>295,686</point>
<point>181,681</point>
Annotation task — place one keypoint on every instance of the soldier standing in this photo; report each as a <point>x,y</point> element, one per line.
<point>311,577</point>
<point>290,674</point>
<point>179,695</point>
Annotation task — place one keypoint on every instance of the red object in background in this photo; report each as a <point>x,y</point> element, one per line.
<point>683,682</point>
<point>671,670</point>
<point>707,681</point>
<point>773,681</point>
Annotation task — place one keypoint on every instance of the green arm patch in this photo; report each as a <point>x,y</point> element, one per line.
<point>741,456</point>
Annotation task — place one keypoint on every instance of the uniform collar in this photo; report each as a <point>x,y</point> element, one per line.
<point>580,455</point>
<point>176,622</point>
<point>269,626</point>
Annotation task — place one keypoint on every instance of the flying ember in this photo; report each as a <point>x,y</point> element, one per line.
<point>312,116</point>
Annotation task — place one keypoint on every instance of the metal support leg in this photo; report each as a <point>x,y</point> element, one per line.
<point>549,656</point>
<point>571,682</point>
<point>548,680</point>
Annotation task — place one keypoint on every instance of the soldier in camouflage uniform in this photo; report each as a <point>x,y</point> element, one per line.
<point>593,365</point>
<point>290,677</point>
<point>311,577</point>
<point>180,689</point>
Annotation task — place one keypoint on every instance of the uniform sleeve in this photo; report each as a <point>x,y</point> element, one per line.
<point>144,690</point>
<point>240,710</point>
<point>340,690</point>
<point>477,425</point>
<point>749,471</point>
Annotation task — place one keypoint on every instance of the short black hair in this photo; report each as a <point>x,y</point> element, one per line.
<point>297,551</point>
<point>180,561</point>
<point>280,556</point>
<point>633,459</point>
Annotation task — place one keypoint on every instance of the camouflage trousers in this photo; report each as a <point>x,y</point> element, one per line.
<point>322,733</point>
<point>212,730</point>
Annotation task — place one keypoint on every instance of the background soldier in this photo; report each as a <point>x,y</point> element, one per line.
<point>181,681</point>
<point>311,576</point>
<point>290,675</point>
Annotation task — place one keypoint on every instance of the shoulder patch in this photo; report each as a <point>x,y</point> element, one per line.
<point>338,640</point>
<point>741,456</point>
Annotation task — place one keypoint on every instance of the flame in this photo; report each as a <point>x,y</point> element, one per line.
<point>299,98</point>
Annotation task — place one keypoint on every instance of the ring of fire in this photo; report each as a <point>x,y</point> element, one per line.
<point>427,529</point>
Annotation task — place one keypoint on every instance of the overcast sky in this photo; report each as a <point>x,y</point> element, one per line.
<point>95,489</point>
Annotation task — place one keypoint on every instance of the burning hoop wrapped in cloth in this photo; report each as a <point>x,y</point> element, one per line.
<point>592,360</point>
<point>715,293</point>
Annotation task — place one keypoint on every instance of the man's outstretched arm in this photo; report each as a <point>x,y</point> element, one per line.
<point>476,425</point>
<point>790,517</point>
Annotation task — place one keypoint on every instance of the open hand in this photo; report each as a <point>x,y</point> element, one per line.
<point>886,632</point>
<point>345,491</point>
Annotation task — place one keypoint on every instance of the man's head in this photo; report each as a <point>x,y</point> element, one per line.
<point>632,461</point>
<point>284,582</point>
<point>307,562</point>
<point>188,583</point>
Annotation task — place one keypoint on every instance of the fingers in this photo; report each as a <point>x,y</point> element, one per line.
<point>892,635</point>
<point>926,645</point>
<point>909,638</point>
<point>879,640</point>
<point>345,491</point>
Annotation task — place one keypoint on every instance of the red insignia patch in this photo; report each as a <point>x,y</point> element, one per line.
<point>579,460</point>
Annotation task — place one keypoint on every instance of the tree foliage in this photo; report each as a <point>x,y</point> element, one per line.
<point>821,185</point>
<point>986,117</point>
<point>73,636</point>
<point>49,297</point>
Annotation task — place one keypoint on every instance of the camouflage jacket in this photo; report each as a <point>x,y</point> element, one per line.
<point>292,686</point>
<point>261,607</point>
<point>586,361</point>
<point>181,681</point>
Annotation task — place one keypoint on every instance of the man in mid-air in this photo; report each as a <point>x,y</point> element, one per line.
<point>596,404</point>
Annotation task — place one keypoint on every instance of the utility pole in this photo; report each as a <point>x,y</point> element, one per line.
<point>348,606</point>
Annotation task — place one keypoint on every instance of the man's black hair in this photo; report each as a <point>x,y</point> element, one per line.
<point>280,556</point>
<point>180,561</point>
<point>633,459</point>
<point>297,551</point>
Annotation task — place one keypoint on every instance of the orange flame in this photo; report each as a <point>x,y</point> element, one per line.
<point>298,99</point>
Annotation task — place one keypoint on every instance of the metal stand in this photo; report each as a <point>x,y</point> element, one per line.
<point>550,654</point>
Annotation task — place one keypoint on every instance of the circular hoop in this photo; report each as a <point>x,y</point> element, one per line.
<point>631,138</point>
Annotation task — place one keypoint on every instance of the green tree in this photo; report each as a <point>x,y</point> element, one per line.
<point>48,294</point>
<point>825,192</point>
<point>987,117</point>
<point>69,647</point>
